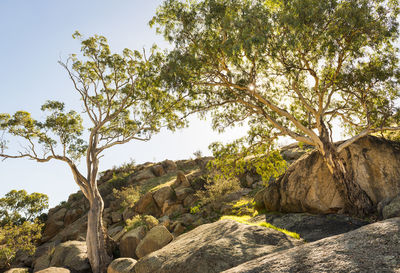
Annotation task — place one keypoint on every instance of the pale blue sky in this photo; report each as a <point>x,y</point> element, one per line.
<point>34,36</point>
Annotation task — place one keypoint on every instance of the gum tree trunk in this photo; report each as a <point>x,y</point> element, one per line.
<point>96,237</point>
<point>356,200</point>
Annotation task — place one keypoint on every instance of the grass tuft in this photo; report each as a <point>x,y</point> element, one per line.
<point>245,220</point>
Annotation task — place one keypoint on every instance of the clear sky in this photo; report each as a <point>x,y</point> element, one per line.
<point>37,34</point>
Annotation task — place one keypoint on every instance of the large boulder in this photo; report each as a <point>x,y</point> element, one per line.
<point>372,248</point>
<point>163,194</point>
<point>315,227</point>
<point>54,223</point>
<point>122,265</point>
<point>71,254</point>
<point>130,241</point>
<point>54,270</point>
<point>155,239</point>
<point>147,205</point>
<point>215,247</point>
<point>17,270</point>
<point>308,186</point>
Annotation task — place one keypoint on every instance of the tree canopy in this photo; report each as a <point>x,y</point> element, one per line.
<point>17,207</point>
<point>288,67</point>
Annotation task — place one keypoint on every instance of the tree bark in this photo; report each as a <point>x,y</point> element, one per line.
<point>96,237</point>
<point>356,200</point>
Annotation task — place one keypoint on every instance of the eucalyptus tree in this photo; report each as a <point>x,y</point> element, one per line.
<point>289,67</point>
<point>16,207</point>
<point>122,101</point>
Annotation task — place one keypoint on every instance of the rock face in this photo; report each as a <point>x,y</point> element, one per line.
<point>308,185</point>
<point>372,248</point>
<point>215,247</point>
<point>121,265</point>
<point>315,227</point>
<point>155,239</point>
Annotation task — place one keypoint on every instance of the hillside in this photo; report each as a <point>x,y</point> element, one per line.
<point>153,215</point>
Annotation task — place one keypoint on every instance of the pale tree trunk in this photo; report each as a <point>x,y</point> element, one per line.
<point>96,236</point>
<point>356,200</point>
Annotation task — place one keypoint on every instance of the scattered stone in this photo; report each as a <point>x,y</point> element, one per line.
<point>181,180</point>
<point>190,201</point>
<point>173,209</point>
<point>183,192</point>
<point>155,239</point>
<point>392,209</point>
<point>372,248</point>
<point>179,229</point>
<point>215,247</point>
<point>141,175</point>
<point>163,194</point>
<point>130,241</point>
<point>116,217</point>
<point>122,265</point>
<point>114,230</point>
<point>147,205</point>
<point>169,165</point>
<point>158,170</point>
<point>128,213</point>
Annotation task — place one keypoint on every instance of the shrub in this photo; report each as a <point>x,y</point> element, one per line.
<point>148,221</point>
<point>127,196</point>
<point>216,187</point>
<point>18,238</point>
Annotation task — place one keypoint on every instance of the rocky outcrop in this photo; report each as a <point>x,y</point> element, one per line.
<point>315,227</point>
<point>372,248</point>
<point>308,186</point>
<point>155,239</point>
<point>215,247</point>
<point>122,265</point>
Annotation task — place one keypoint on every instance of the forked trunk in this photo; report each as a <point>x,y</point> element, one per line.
<point>356,200</point>
<point>96,237</point>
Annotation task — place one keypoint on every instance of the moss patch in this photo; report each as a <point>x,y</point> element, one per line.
<point>246,220</point>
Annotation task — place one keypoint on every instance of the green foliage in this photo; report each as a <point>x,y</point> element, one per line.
<point>244,207</point>
<point>18,238</point>
<point>127,196</point>
<point>216,187</point>
<point>148,221</point>
<point>253,152</point>
<point>16,207</point>
<point>292,67</point>
<point>195,209</point>
<point>246,220</point>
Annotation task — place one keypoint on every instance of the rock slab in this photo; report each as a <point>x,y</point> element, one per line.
<point>372,248</point>
<point>215,247</point>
